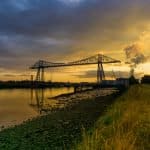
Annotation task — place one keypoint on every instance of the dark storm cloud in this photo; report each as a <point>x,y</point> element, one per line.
<point>53,18</point>
<point>50,29</point>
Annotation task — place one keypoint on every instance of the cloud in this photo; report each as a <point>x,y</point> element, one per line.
<point>51,30</point>
<point>134,54</point>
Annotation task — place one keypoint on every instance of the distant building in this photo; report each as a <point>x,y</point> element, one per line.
<point>109,83</point>
<point>123,81</point>
<point>118,82</point>
<point>133,80</point>
<point>146,79</point>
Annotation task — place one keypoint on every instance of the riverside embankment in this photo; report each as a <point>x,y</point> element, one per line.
<point>125,126</point>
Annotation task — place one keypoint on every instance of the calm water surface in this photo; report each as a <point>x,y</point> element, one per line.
<point>18,105</point>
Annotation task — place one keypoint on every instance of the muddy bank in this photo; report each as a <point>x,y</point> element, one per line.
<point>70,99</point>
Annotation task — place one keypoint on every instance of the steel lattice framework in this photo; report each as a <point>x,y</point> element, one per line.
<point>98,59</point>
<point>45,64</point>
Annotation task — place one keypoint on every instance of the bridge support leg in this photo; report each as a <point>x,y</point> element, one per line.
<point>40,75</point>
<point>100,73</point>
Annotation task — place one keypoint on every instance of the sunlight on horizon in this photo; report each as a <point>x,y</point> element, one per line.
<point>80,73</point>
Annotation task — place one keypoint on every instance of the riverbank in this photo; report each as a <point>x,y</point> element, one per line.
<point>59,130</point>
<point>126,126</point>
<point>70,99</point>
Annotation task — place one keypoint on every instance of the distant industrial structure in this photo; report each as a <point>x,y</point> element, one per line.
<point>115,83</point>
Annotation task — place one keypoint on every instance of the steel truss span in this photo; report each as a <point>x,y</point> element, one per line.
<point>98,59</point>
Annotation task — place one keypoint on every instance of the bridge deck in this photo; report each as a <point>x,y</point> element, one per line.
<point>87,61</point>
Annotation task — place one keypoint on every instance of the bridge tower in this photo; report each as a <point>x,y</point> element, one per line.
<point>100,70</point>
<point>40,66</point>
<point>40,71</point>
<point>40,74</point>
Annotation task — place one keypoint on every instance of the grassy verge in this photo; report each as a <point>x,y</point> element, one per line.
<point>125,126</point>
<point>58,130</point>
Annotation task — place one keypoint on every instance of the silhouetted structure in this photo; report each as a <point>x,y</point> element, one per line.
<point>96,59</point>
<point>133,80</point>
<point>146,79</point>
<point>119,82</point>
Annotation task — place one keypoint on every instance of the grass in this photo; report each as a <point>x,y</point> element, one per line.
<point>125,126</point>
<point>58,130</point>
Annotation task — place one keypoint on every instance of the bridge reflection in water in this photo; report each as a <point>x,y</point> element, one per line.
<point>42,101</point>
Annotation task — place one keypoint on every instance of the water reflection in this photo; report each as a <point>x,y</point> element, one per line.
<point>18,105</point>
<point>43,102</point>
<point>39,97</point>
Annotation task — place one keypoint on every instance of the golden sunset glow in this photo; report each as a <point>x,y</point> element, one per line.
<point>80,29</point>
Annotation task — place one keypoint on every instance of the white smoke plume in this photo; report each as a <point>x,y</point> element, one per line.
<point>134,56</point>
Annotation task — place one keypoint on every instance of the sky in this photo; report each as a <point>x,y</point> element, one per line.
<point>67,30</point>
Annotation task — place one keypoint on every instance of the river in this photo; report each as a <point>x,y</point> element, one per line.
<point>18,105</point>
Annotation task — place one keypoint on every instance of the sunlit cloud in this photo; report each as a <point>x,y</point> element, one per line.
<point>53,30</point>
